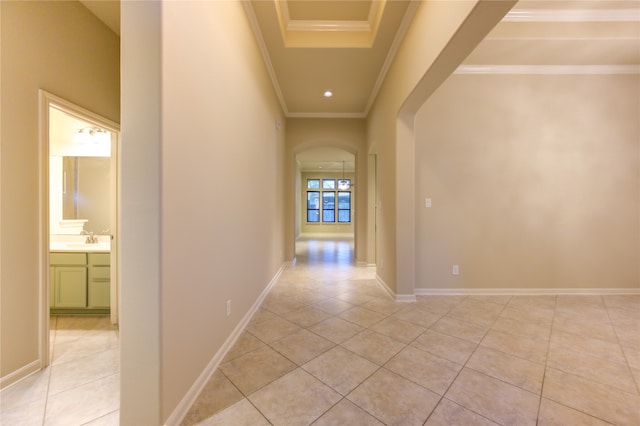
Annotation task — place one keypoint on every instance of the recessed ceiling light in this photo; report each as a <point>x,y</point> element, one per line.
<point>328,94</point>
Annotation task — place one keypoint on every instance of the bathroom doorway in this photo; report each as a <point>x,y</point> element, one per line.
<point>78,214</point>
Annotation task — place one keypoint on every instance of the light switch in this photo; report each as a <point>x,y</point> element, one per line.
<point>427,202</point>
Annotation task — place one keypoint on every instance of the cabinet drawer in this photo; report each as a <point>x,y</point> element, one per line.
<point>100,259</point>
<point>100,273</point>
<point>67,258</point>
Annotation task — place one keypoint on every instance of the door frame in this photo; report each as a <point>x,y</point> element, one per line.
<point>46,101</point>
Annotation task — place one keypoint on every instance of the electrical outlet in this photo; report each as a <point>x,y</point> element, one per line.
<point>456,270</point>
<point>427,202</point>
<point>228,307</point>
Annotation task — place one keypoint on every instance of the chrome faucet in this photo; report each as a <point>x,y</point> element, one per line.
<point>91,239</point>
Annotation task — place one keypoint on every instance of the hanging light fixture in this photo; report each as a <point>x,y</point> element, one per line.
<point>91,135</point>
<point>344,184</point>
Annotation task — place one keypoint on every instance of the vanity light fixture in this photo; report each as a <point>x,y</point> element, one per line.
<point>91,135</point>
<point>328,94</point>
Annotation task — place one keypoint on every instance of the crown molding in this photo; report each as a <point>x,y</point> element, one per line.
<point>347,26</point>
<point>326,115</point>
<point>253,22</point>
<point>548,69</point>
<point>578,15</point>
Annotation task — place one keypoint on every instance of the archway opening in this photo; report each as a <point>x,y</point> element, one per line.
<point>325,206</point>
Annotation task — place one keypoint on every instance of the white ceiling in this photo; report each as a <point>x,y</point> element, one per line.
<point>346,46</point>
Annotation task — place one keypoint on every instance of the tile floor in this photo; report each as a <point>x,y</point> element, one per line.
<point>81,386</point>
<point>329,347</point>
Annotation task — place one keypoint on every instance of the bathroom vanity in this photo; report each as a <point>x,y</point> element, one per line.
<point>79,278</point>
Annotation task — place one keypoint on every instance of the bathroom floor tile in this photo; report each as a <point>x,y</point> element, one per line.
<point>83,370</point>
<point>84,403</point>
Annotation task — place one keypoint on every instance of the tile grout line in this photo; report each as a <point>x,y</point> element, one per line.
<point>624,353</point>
<point>546,360</point>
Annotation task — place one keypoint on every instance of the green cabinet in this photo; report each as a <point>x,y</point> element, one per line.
<point>79,282</point>
<point>99,280</point>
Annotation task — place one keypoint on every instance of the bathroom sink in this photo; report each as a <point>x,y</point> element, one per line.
<point>76,246</point>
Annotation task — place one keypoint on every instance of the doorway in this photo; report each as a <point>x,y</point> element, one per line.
<point>78,214</point>
<point>325,197</point>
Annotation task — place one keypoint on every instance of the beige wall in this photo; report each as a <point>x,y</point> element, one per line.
<point>62,48</point>
<point>440,36</point>
<point>538,188</point>
<point>344,133</point>
<point>217,187</point>
<point>320,227</point>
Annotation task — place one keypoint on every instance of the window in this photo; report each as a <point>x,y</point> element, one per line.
<point>328,206</point>
<point>313,206</point>
<point>327,202</point>
<point>328,184</point>
<point>344,206</point>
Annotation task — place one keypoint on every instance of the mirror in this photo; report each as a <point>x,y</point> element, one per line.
<point>80,179</point>
<point>86,191</point>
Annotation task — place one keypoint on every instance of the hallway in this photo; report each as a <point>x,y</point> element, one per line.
<point>330,347</point>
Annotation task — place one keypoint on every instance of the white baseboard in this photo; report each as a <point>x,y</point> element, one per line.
<point>19,374</point>
<point>405,297</point>
<point>385,287</point>
<point>525,291</point>
<point>191,396</point>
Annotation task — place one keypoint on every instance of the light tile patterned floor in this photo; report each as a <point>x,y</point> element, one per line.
<point>330,347</point>
<point>82,384</point>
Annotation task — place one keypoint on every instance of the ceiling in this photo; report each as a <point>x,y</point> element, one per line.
<point>346,46</point>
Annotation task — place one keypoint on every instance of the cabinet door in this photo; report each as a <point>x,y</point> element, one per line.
<point>71,287</point>
<point>99,295</point>
<point>99,283</point>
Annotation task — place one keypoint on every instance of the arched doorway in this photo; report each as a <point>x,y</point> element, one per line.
<point>324,200</point>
